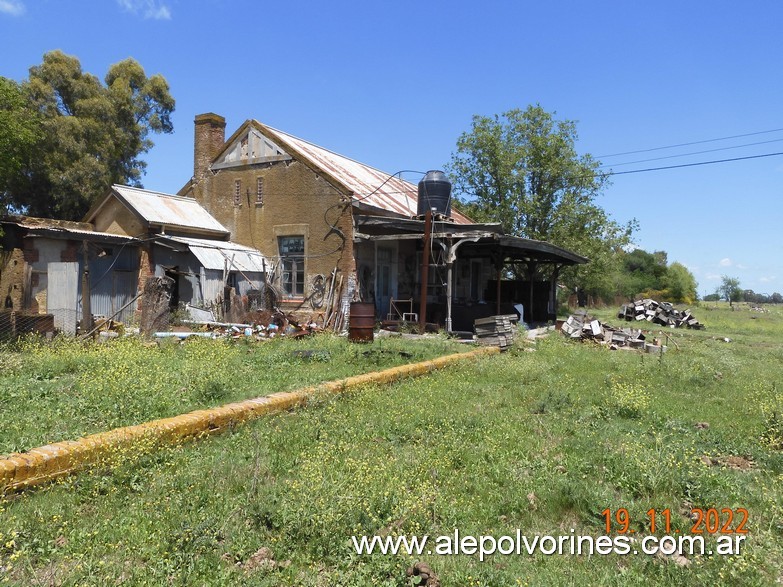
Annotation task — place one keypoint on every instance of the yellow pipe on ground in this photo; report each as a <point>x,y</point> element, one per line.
<point>46,463</point>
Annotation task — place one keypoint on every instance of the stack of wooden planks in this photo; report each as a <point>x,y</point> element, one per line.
<point>496,330</point>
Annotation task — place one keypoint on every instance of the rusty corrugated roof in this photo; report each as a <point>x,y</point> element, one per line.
<point>370,186</point>
<point>169,210</point>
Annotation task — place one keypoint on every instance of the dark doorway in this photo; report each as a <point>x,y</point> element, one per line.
<point>173,274</point>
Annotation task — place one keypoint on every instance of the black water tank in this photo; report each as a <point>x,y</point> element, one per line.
<point>434,192</point>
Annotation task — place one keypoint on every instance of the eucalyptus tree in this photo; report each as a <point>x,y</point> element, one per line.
<point>89,134</point>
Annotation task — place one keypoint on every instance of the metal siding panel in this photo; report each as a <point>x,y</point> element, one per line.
<point>245,286</point>
<point>126,285</point>
<point>212,285</point>
<point>62,295</point>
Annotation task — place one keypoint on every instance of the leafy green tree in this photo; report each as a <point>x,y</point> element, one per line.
<point>19,128</point>
<point>729,289</point>
<point>680,284</point>
<point>522,169</point>
<point>91,135</point>
<point>641,271</point>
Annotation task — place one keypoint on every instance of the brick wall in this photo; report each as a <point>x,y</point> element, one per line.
<point>295,196</point>
<point>210,135</point>
<point>12,278</point>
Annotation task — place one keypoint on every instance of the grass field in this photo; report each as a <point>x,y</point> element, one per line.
<point>60,391</point>
<point>543,438</point>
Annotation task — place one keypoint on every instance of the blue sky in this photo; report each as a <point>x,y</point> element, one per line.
<point>393,84</point>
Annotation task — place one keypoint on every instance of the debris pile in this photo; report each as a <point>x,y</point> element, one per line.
<point>585,328</point>
<point>662,313</point>
<point>496,330</point>
<point>259,325</point>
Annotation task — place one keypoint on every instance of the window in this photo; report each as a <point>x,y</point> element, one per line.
<point>292,264</point>
<point>259,191</point>
<point>238,193</point>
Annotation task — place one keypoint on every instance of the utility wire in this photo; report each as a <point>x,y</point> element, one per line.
<point>750,134</point>
<point>692,153</point>
<point>695,164</point>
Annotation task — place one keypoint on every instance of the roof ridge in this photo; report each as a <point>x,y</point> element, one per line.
<point>157,193</point>
<point>381,171</point>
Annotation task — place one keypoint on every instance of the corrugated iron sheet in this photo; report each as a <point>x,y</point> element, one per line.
<point>370,186</point>
<point>215,254</point>
<point>61,297</point>
<point>160,208</point>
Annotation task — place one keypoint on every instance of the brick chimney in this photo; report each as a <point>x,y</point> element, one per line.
<point>209,139</point>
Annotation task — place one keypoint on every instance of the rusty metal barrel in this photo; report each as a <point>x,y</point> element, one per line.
<point>361,322</point>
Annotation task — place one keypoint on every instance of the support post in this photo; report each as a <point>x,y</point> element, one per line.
<point>500,273</point>
<point>553,292</point>
<point>86,307</point>
<point>425,271</point>
<point>531,272</point>
<point>449,271</point>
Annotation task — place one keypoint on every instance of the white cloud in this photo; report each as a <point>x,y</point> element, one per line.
<point>12,7</point>
<point>712,277</point>
<point>766,279</point>
<point>154,9</point>
<point>726,262</point>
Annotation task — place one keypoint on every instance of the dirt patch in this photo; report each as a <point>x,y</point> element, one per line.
<point>730,462</point>
<point>426,576</point>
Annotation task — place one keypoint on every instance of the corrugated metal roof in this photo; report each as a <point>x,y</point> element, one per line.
<point>167,209</point>
<point>370,186</point>
<point>214,254</point>
<point>75,232</point>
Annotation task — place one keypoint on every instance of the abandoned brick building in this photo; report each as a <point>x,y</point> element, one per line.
<point>323,218</point>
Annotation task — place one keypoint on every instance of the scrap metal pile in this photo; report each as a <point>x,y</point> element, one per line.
<point>662,313</point>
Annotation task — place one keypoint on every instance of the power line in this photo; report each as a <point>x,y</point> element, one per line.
<point>692,153</point>
<point>750,134</point>
<point>695,164</point>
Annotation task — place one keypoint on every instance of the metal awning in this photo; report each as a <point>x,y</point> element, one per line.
<point>488,239</point>
<point>220,255</point>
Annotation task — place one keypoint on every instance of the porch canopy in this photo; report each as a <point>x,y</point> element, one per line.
<point>484,242</point>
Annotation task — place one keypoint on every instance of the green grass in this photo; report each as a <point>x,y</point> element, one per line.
<point>542,440</point>
<point>67,389</point>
